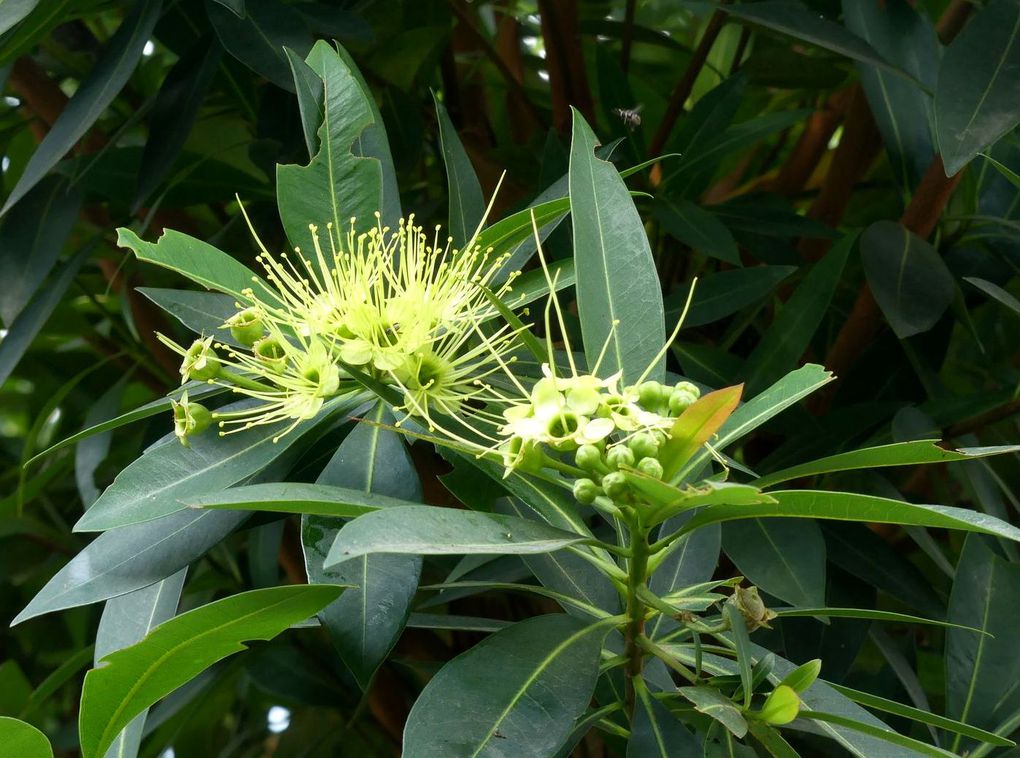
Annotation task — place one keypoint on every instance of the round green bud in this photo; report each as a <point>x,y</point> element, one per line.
<point>650,467</point>
<point>246,327</point>
<point>650,394</point>
<point>589,458</point>
<point>585,491</point>
<point>659,437</point>
<point>680,400</point>
<point>644,445</point>
<point>619,456</point>
<point>615,484</point>
<point>687,387</point>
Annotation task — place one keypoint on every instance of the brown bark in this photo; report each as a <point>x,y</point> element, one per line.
<point>683,87</point>
<point>564,58</point>
<point>812,144</point>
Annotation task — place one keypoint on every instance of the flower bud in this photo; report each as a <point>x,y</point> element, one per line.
<point>200,361</point>
<point>246,327</point>
<point>650,467</point>
<point>619,456</point>
<point>681,399</point>
<point>588,457</point>
<point>651,395</point>
<point>644,445</point>
<point>585,491</point>
<point>615,484</point>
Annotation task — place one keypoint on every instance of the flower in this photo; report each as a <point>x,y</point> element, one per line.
<point>189,418</point>
<point>399,306</point>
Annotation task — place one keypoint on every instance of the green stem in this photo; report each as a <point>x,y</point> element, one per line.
<point>636,575</point>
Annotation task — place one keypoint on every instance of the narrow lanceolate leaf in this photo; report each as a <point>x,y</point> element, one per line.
<point>699,229</point>
<point>759,409</point>
<point>656,733</point>
<point>697,425</point>
<point>23,740</point>
<point>849,506</point>
<point>910,281</point>
<point>616,279</point>
<point>26,326</point>
<point>800,22</point>
<point>93,95</point>
<point>125,621</point>
<point>517,692</point>
<point>924,717</point>
<point>982,669</point>
<point>884,734</point>
<point>156,484</point>
<point>429,530</point>
<point>896,454</point>
<point>995,292</point>
<point>902,109</point>
<point>126,559</point>
<point>375,468</point>
<point>202,312</point>
<point>977,99</point>
<point>197,260</point>
<point>784,557</point>
<point>31,242</point>
<point>12,11</point>
<point>337,184</point>
<point>467,205</point>
<point>136,677</point>
<point>792,329</point>
<point>298,497</point>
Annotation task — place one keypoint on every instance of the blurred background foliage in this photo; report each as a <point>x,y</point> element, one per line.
<point>793,124</point>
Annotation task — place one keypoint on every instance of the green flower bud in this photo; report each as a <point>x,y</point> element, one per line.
<point>619,456</point>
<point>781,707</point>
<point>615,484</point>
<point>650,467</point>
<point>687,387</point>
<point>680,400</point>
<point>651,394</point>
<point>585,491</point>
<point>246,327</point>
<point>588,457</point>
<point>200,361</point>
<point>644,445</point>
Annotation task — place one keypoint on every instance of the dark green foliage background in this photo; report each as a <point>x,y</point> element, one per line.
<point>807,195</point>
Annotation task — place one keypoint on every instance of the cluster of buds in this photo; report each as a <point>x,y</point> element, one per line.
<point>608,429</point>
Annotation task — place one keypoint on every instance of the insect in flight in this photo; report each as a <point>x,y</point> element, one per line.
<point>631,117</point>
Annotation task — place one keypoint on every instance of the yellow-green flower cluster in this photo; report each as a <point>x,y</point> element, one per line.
<point>397,305</point>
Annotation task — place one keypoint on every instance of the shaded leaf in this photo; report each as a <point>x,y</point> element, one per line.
<point>92,96</point>
<point>909,280</point>
<point>136,677</point>
<point>784,557</point>
<point>467,206</point>
<point>977,99</point>
<point>699,229</point>
<point>547,670</point>
<point>724,293</point>
<point>655,731</point>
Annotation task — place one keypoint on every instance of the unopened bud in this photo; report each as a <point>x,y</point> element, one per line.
<point>650,467</point>
<point>615,484</point>
<point>644,445</point>
<point>619,456</point>
<point>585,491</point>
<point>588,457</point>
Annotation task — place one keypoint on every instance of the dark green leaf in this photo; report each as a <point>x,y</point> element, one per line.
<point>429,530</point>
<point>202,312</point>
<point>258,38</point>
<point>365,622</point>
<point>784,557</point>
<point>724,293</point>
<point>995,292</point>
<point>655,731</point>
<point>977,99</point>
<point>31,242</point>
<point>698,229</point>
<point>297,497</point>
<point>126,559</point>
<point>12,11</point>
<point>909,280</point>
<point>547,669</point>
<point>467,206</point>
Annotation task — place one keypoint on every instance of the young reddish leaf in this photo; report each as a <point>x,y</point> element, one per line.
<point>696,425</point>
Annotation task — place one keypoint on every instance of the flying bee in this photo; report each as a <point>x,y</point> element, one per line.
<point>631,117</point>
